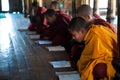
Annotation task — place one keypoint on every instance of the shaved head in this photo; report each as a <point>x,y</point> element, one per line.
<point>54,5</point>
<point>84,10</point>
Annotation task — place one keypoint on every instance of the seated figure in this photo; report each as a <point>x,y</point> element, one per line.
<point>95,62</point>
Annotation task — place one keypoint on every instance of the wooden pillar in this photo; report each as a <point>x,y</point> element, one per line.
<point>46,3</point>
<point>118,28</point>
<point>84,2</point>
<point>25,8</point>
<point>110,11</point>
<point>113,8</point>
<point>67,7</point>
<point>78,3</point>
<point>73,8</point>
<point>20,7</point>
<point>65,4</point>
<point>88,2</point>
<point>96,7</point>
<point>30,6</point>
<point>40,2</point>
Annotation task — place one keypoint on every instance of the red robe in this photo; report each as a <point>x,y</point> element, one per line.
<point>67,18</point>
<point>39,24</point>
<point>98,20</point>
<point>104,23</point>
<point>58,31</point>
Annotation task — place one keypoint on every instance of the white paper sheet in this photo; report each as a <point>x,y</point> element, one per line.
<point>69,77</point>
<point>60,64</point>
<point>55,48</point>
<point>44,42</point>
<point>67,72</point>
<point>34,37</point>
<point>23,29</point>
<point>31,32</point>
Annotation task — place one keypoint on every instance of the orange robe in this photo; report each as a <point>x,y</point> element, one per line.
<point>100,47</point>
<point>97,21</point>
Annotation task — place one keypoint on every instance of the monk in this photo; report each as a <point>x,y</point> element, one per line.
<point>85,12</point>
<point>37,19</point>
<point>58,28</point>
<point>56,7</point>
<point>95,62</point>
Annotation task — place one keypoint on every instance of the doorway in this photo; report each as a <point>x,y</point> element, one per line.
<point>5,5</point>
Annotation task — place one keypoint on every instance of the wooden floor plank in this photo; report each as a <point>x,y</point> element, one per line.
<point>23,59</point>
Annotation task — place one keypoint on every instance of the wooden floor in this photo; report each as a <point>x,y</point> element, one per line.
<point>20,57</point>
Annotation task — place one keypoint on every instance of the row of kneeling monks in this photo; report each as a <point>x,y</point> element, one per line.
<point>90,40</point>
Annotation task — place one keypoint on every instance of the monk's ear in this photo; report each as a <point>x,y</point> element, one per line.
<point>83,30</point>
<point>53,16</point>
<point>87,18</point>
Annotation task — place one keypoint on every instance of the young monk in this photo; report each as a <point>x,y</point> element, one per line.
<point>85,12</point>
<point>58,28</point>
<point>95,62</point>
<point>38,18</point>
<point>55,6</point>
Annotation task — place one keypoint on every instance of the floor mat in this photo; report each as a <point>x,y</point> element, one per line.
<point>2,15</point>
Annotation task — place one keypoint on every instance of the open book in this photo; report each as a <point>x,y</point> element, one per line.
<point>31,32</point>
<point>34,37</point>
<point>44,42</point>
<point>67,72</point>
<point>60,64</point>
<point>55,48</point>
<point>69,77</point>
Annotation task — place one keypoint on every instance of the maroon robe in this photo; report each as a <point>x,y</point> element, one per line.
<point>99,21</point>
<point>58,31</point>
<point>96,16</point>
<point>67,18</point>
<point>104,23</point>
<point>36,26</point>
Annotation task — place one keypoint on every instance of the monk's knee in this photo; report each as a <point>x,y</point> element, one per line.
<point>100,71</point>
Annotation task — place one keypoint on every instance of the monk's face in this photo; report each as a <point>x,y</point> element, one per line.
<point>78,36</point>
<point>50,19</point>
<point>33,7</point>
<point>54,7</point>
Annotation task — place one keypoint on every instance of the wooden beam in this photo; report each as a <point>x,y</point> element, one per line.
<point>111,10</point>
<point>78,3</point>
<point>96,8</point>
<point>73,8</point>
<point>118,28</point>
